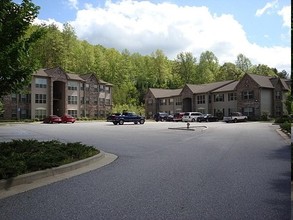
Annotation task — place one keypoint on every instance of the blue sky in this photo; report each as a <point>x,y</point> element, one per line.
<point>258,29</point>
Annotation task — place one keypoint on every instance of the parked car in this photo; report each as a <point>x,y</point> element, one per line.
<point>235,117</point>
<point>170,118</point>
<point>52,119</point>
<point>178,116</point>
<point>67,118</point>
<point>161,116</point>
<point>207,118</point>
<point>191,116</point>
<point>120,118</point>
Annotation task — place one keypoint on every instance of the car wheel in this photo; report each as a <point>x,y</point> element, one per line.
<point>193,120</point>
<point>121,122</point>
<point>115,123</point>
<point>141,121</point>
<point>235,120</point>
<point>135,122</point>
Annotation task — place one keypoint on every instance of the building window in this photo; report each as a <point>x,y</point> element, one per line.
<point>278,95</point>
<point>72,85</point>
<point>40,113</point>
<point>150,101</point>
<point>278,111</point>
<point>95,100</point>
<point>14,113</point>
<point>219,98</point>
<point>201,99</point>
<point>178,101</point>
<point>162,101</point>
<point>40,98</point>
<point>171,101</point>
<point>82,100</point>
<point>87,86</point>
<point>81,86</point>
<point>72,100</point>
<point>102,101</point>
<point>102,88</point>
<point>249,111</point>
<point>107,101</point>
<point>13,97</point>
<point>72,113</point>
<point>96,88</point>
<point>232,96</point>
<point>41,82</point>
<point>107,89</point>
<point>247,95</point>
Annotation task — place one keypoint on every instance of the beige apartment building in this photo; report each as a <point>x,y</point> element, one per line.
<point>55,92</point>
<point>253,95</point>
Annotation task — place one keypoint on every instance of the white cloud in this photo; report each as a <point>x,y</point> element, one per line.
<point>144,27</point>
<point>285,13</point>
<point>49,22</point>
<point>266,8</point>
<point>73,4</point>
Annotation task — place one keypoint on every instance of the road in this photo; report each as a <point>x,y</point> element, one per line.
<point>221,171</point>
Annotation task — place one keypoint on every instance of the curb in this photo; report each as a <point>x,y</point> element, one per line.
<point>191,128</point>
<point>31,177</point>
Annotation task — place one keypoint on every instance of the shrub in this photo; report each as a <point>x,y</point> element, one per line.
<point>286,126</point>
<point>24,156</point>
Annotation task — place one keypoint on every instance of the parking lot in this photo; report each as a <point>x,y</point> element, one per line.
<point>214,170</point>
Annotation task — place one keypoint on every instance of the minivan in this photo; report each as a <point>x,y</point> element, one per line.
<point>191,116</point>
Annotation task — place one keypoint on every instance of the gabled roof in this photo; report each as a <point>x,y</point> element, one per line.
<point>164,93</point>
<point>74,77</point>
<point>41,72</point>
<point>204,88</point>
<point>227,88</point>
<point>286,83</point>
<point>87,76</point>
<point>262,81</point>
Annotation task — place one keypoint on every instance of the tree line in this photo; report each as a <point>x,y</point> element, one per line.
<point>45,46</point>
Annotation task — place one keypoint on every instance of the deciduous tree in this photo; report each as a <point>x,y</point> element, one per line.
<point>15,66</point>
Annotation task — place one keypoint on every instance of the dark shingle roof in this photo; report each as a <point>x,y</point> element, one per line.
<point>229,87</point>
<point>164,93</point>
<point>262,81</point>
<point>204,88</point>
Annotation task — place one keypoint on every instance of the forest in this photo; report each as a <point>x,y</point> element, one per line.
<point>132,73</point>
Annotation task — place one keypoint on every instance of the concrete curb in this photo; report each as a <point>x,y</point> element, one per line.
<point>191,128</point>
<point>34,176</point>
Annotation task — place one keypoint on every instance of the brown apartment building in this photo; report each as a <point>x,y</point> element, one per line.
<point>55,92</point>
<point>253,95</point>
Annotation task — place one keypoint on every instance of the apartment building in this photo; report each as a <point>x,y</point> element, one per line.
<point>53,91</point>
<point>253,95</point>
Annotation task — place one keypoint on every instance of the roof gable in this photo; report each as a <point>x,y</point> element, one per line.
<point>262,81</point>
<point>164,93</point>
<point>204,88</point>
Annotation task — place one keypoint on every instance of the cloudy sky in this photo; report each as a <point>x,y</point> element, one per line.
<point>258,29</point>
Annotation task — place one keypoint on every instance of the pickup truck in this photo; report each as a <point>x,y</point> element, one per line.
<point>120,118</point>
<point>235,117</point>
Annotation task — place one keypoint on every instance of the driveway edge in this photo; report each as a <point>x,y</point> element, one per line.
<point>35,176</point>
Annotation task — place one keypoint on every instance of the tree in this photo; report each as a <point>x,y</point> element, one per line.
<point>208,67</point>
<point>185,65</point>
<point>243,63</point>
<point>15,66</point>
<point>229,71</point>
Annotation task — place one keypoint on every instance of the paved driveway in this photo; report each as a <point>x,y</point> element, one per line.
<point>222,171</point>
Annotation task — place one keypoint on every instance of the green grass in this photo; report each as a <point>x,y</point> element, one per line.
<point>24,156</point>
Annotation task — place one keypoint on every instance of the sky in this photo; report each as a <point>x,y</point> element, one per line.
<point>260,30</point>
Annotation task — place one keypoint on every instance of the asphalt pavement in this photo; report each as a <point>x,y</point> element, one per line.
<point>216,171</point>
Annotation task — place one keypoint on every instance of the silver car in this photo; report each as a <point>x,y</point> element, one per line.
<point>191,116</point>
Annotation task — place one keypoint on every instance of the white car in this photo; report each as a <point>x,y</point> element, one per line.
<point>191,116</point>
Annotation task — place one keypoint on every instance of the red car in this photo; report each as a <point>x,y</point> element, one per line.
<point>68,118</point>
<point>52,119</point>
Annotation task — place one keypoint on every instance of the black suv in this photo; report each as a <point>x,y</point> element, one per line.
<point>161,116</point>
